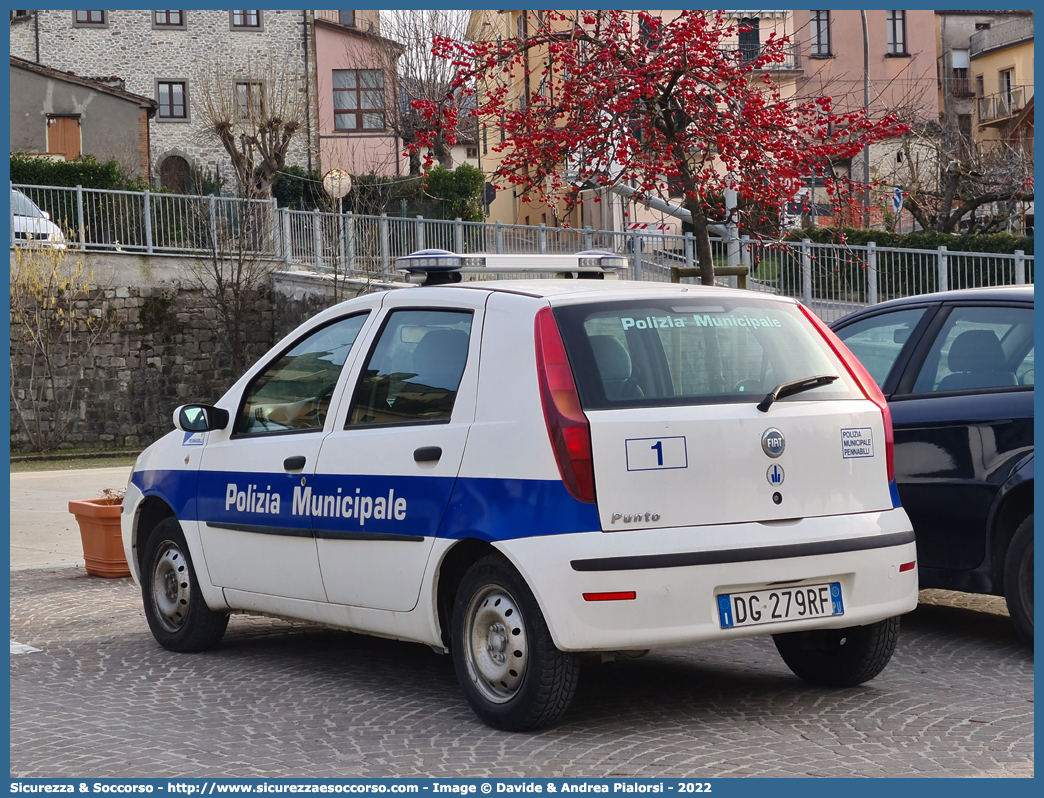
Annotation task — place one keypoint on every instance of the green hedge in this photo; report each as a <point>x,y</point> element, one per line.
<point>999,243</point>
<point>444,194</point>
<point>85,171</point>
<point>298,189</point>
<point>454,194</point>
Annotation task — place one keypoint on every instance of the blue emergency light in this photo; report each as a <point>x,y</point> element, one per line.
<point>440,266</point>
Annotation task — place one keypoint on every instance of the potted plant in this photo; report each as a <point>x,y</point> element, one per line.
<point>99,521</point>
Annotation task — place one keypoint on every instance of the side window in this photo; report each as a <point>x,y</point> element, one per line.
<point>414,370</point>
<point>877,341</point>
<point>1024,373</point>
<point>294,393</point>
<point>977,348</point>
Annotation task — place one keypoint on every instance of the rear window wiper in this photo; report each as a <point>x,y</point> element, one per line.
<point>791,388</point>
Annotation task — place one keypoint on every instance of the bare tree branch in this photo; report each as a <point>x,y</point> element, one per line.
<point>422,76</point>
<point>254,111</point>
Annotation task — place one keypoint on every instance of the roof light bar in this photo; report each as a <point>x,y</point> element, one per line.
<point>439,266</point>
<point>429,260</point>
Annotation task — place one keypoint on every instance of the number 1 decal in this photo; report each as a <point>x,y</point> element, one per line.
<point>652,454</point>
<point>658,448</point>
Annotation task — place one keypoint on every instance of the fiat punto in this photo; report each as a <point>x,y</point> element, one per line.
<point>518,472</point>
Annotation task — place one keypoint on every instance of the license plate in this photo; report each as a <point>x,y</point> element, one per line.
<point>776,605</point>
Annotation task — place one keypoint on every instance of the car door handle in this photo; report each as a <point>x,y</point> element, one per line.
<point>426,454</point>
<point>294,463</point>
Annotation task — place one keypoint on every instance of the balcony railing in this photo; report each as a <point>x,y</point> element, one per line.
<point>958,87</point>
<point>748,51</point>
<point>1003,105</point>
<point>1003,35</point>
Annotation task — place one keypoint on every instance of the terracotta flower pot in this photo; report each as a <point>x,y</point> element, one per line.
<point>99,521</point>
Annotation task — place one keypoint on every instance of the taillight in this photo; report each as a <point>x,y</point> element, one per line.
<point>863,379</point>
<point>622,595</point>
<point>567,425</point>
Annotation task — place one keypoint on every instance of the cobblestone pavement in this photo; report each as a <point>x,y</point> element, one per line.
<point>101,698</point>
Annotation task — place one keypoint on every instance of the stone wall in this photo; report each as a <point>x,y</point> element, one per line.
<point>23,37</point>
<point>163,348</point>
<point>129,48</point>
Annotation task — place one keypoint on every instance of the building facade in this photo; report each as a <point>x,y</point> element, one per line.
<point>60,115</point>
<point>1001,70</point>
<point>892,69</point>
<point>165,56</point>
<point>355,85</point>
<point>958,86</point>
<point>508,205</point>
<point>824,56</point>
<point>899,64</point>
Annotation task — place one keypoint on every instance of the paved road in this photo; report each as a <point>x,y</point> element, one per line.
<point>100,698</point>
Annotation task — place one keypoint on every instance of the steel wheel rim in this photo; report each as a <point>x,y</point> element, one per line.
<point>496,647</point>
<point>171,587</point>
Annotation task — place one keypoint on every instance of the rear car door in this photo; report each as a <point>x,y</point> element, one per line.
<point>963,418</point>
<point>255,536</point>
<point>386,473</point>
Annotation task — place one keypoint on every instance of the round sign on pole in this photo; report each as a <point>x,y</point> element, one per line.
<point>337,183</point>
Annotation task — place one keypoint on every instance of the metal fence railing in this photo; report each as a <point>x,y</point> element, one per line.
<point>155,223</point>
<point>836,279</point>
<point>833,279</point>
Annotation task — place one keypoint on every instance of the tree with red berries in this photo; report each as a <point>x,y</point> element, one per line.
<point>596,98</point>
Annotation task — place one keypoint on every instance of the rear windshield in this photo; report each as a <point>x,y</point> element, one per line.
<point>678,351</point>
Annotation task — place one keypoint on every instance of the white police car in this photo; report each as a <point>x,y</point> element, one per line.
<point>32,227</point>
<point>521,471</point>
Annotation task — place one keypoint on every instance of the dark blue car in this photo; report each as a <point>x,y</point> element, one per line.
<point>957,369</point>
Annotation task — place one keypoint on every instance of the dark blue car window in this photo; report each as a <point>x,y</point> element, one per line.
<point>980,348</point>
<point>878,340</point>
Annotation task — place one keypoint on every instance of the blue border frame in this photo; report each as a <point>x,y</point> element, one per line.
<point>752,787</point>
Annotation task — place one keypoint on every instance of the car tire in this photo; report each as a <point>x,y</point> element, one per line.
<point>1018,580</point>
<point>178,616</point>
<point>839,657</point>
<point>507,664</point>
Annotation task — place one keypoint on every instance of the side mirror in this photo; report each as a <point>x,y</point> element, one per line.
<point>200,418</point>
<point>901,335</point>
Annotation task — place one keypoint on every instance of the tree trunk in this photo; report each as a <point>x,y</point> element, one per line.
<point>442,151</point>
<point>701,233</point>
<point>415,164</point>
<point>263,187</point>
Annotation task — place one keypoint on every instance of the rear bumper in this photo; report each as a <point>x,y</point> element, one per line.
<point>676,575</point>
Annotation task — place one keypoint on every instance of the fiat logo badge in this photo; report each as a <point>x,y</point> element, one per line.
<point>773,442</point>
